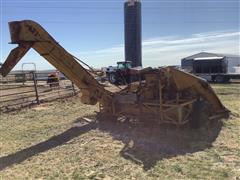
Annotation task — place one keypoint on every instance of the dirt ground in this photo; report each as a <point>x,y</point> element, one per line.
<point>52,141</point>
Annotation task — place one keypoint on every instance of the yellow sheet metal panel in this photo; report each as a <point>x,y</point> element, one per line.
<point>30,34</point>
<point>185,80</point>
<point>15,55</point>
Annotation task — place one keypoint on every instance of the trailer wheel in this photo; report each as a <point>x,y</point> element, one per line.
<point>213,78</point>
<point>219,79</point>
<point>227,79</point>
<point>222,79</point>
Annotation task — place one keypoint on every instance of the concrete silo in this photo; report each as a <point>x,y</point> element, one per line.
<point>133,32</point>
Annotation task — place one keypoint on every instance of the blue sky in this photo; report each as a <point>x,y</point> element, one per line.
<point>93,30</point>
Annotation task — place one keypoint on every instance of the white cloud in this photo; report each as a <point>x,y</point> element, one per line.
<point>195,38</point>
<point>169,50</point>
<point>159,51</point>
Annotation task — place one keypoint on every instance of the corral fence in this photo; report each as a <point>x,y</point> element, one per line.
<point>23,89</point>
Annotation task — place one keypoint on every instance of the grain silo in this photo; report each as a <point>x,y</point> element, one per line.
<point>133,32</point>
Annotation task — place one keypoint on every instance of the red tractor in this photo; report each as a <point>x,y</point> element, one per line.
<point>122,74</point>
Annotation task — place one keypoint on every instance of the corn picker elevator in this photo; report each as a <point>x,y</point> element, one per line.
<point>164,95</point>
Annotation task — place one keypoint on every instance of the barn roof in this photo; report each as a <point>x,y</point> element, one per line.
<point>206,55</point>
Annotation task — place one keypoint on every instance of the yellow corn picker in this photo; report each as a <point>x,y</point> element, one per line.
<point>164,95</point>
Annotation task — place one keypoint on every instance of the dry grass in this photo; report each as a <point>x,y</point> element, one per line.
<point>52,142</point>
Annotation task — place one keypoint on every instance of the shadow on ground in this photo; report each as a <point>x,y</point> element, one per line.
<point>147,144</point>
<point>144,144</point>
<point>53,142</point>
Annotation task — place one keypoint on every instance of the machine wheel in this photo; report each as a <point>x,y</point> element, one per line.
<point>196,115</point>
<point>222,79</point>
<point>112,78</point>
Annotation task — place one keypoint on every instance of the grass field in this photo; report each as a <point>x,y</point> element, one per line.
<point>52,142</point>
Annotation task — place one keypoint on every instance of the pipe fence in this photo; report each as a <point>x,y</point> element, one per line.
<point>28,88</point>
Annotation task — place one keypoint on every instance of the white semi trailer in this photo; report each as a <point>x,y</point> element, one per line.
<point>218,68</point>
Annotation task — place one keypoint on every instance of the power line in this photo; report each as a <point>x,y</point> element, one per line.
<point>116,8</point>
<point>114,1</point>
<point>154,22</point>
<point>77,12</point>
<point>1,32</point>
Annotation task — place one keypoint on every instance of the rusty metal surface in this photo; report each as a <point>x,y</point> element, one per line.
<point>185,80</point>
<point>166,95</point>
<point>13,58</point>
<point>29,32</point>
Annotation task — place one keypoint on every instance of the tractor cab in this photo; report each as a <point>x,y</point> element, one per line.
<point>124,65</point>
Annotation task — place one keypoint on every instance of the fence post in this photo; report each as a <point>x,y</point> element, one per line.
<point>35,87</point>
<point>73,88</point>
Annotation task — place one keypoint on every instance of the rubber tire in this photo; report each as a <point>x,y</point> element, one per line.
<point>222,79</point>
<point>213,78</point>
<point>112,78</point>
